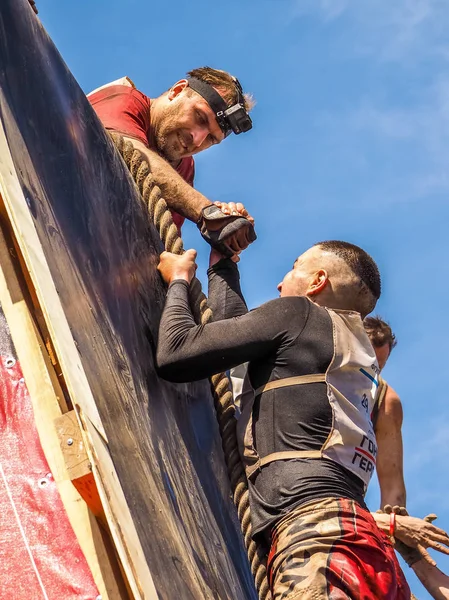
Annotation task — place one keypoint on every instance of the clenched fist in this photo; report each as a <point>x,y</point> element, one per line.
<point>177,266</point>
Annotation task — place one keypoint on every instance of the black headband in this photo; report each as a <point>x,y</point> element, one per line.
<point>209,93</point>
<point>234,118</point>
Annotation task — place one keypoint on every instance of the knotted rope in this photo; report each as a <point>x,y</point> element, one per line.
<point>161,217</point>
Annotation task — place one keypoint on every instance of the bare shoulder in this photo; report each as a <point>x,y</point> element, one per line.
<point>391,406</point>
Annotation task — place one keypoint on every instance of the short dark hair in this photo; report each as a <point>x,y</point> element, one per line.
<point>225,83</point>
<point>363,267</point>
<point>379,332</point>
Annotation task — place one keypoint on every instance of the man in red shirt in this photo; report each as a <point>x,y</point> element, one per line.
<point>194,114</point>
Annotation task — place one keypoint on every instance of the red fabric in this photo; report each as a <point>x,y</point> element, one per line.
<point>124,109</point>
<point>362,564</point>
<point>39,554</point>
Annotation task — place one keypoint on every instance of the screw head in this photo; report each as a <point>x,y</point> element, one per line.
<point>70,442</point>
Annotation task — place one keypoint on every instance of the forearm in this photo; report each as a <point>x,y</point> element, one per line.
<point>179,195</point>
<point>434,580</point>
<point>225,295</point>
<point>393,492</point>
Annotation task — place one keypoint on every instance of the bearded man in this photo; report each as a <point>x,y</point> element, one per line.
<point>194,114</point>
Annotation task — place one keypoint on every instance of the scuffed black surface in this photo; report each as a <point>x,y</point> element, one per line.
<point>102,253</point>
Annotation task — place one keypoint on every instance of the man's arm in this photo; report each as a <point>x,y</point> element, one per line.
<point>434,580</point>
<point>179,195</point>
<point>187,352</point>
<point>389,452</point>
<point>225,296</point>
<point>415,533</point>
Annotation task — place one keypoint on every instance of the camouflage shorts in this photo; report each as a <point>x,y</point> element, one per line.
<point>332,549</point>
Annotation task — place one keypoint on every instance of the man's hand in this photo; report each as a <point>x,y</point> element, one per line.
<point>417,534</point>
<point>177,266</point>
<point>240,240</point>
<point>421,534</point>
<point>236,209</point>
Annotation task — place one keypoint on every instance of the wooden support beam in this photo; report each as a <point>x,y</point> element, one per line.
<point>20,226</point>
<point>47,398</point>
<point>77,461</point>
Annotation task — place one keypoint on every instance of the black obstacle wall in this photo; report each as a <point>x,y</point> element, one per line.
<point>102,253</point>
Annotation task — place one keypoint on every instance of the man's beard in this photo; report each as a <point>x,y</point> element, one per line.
<point>167,148</point>
<point>166,141</point>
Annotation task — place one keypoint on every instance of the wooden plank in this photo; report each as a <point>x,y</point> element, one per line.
<point>77,462</point>
<point>92,256</point>
<point>47,398</point>
<point>122,529</point>
<point>72,446</point>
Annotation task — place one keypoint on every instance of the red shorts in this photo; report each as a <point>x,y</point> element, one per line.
<point>332,549</point>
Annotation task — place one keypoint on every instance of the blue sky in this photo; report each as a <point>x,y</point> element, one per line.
<point>350,141</point>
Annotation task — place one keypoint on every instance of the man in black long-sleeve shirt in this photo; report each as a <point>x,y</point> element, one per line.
<point>307,440</point>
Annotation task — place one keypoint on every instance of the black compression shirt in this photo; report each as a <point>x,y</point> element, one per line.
<point>283,338</point>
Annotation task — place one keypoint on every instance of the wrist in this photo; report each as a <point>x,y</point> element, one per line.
<point>201,204</point>
<point>215,257</point>
<point>181,275</point>
<point>382,521</point>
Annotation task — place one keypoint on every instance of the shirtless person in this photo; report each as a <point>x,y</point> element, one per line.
<point>387,420</point>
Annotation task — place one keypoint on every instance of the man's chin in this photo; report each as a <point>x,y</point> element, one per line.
<point>170,154</point>
<point>170,148</point>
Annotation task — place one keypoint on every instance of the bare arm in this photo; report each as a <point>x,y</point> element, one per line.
<point>434,580</point>
<point>179,195</point>
<point>390,453</point>
<point>416,533</point>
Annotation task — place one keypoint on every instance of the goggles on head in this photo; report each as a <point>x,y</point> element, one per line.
<point>233,118</point>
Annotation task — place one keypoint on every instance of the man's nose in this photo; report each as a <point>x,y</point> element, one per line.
<point>279,287</point>
<point>199,134</point>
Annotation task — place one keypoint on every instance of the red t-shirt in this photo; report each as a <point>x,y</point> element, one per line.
<point>124,109</point>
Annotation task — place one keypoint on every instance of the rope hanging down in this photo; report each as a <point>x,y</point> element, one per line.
<point>161,217</point>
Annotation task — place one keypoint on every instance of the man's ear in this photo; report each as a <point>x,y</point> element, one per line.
<point>318,283</point>
<point>177,88</point>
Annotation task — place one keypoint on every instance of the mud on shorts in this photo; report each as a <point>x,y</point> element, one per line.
<point>332,549</point>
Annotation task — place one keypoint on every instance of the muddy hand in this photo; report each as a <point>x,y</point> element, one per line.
<point>241,239</point>
<point>421,534</point>
<point>177,266</point>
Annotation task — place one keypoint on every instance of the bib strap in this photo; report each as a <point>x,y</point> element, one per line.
<point>288,381</point>
<point>289,455</point>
